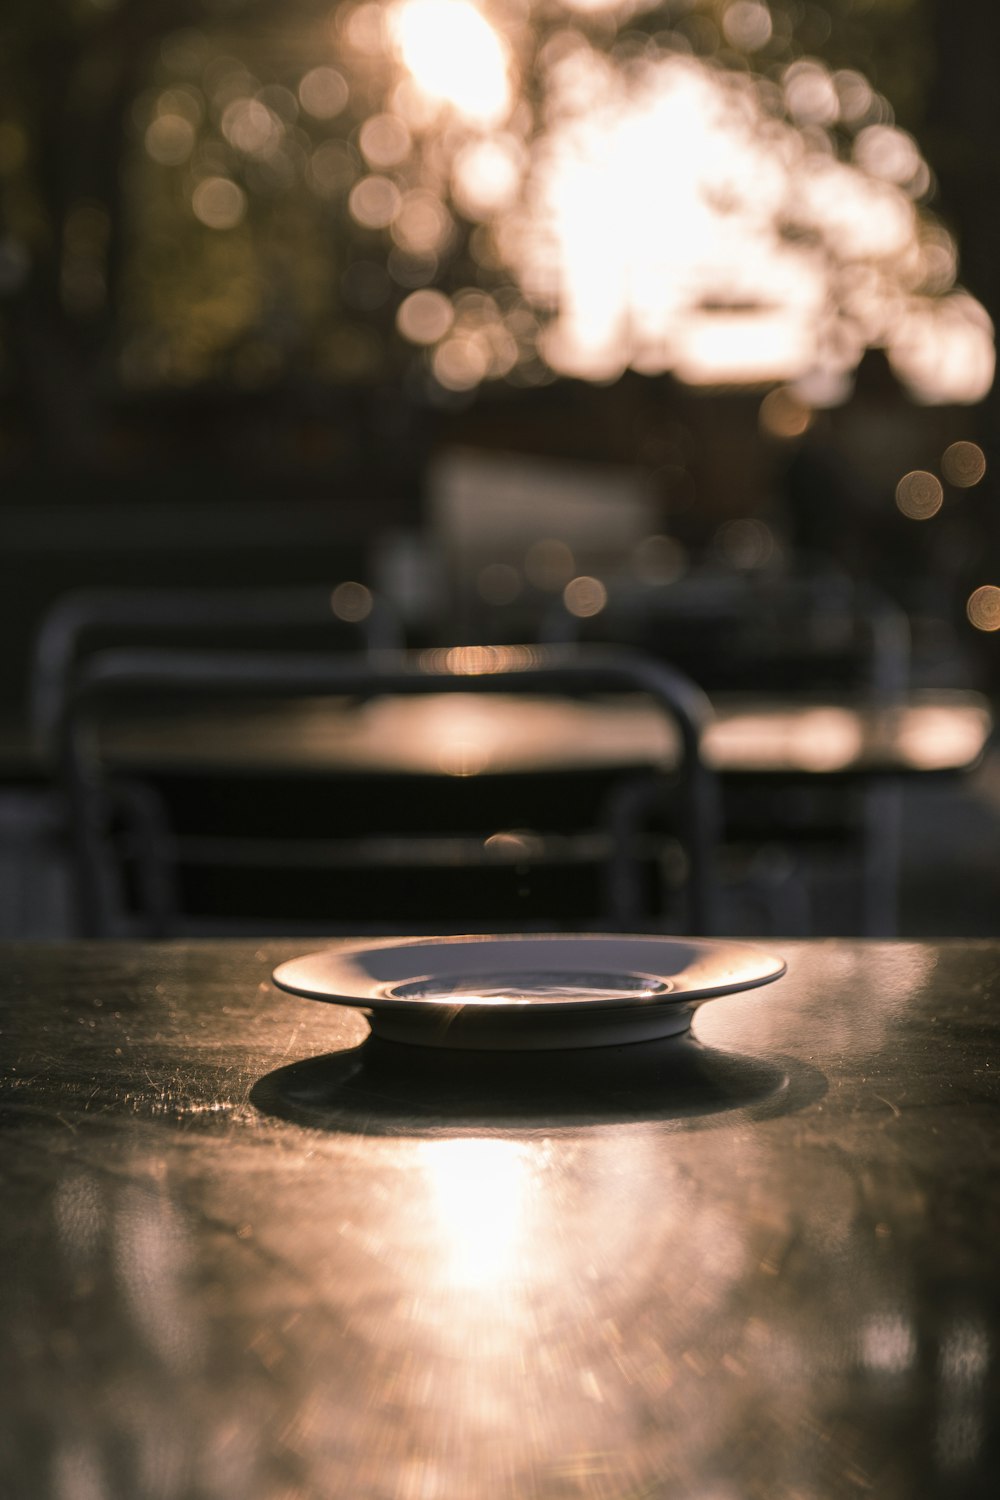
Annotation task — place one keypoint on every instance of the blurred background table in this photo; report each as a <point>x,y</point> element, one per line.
<point>811,799</point>
<point>243,1253</point>
<point>803,779</point>
<point>468,734</point>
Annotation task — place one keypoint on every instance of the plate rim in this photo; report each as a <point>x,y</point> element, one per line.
<point>770,966</point>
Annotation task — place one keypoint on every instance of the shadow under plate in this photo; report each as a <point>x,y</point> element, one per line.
<point>388,1088</point>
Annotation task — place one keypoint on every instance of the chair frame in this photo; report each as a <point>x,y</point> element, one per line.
<point>882,627</point>
<point>61,641</point>
<point>881,623</point>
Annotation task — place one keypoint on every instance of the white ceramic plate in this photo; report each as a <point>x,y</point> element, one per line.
<point>544,991</point>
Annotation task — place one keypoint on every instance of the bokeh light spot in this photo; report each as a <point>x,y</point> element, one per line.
<point>384,140</point>
<point>487,175</point>
<point>364,27</point>
<point>919,495</point>
<point>943,350</point>
<point>983,607</point>
<point>747,24</point>
<point>474,661</point>
<point>585,596</point>
<point>515,844</point>
<point>374,202</point>
<point>251,127</point>
<point>940,259</point>
<point>460,364</point>
<point>856,95</point>
<point>351,601</point>
<point>887,152</point>
<point>323,93</point>
<point>963,464</point>
<point>784,415</point>
<point>219,203</point>
<point>423,224</point>
<point>425,316</point>
<point>170,139</point>
<point>810,93</point>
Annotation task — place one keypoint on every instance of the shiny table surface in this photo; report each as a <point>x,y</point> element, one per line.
<point>246,1256</point>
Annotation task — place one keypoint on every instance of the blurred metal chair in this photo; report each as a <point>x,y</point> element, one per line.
<point>88,620</point>
<point>324,835</point>
<point>798,635</point>
<point>82,622</point>
<point>796,632</point>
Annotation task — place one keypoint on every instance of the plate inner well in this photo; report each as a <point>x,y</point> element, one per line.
<point>527,986</point>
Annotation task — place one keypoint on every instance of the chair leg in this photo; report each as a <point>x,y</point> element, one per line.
<point>882,828</point>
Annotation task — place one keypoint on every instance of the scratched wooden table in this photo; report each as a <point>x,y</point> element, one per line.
<point>246,1254</point>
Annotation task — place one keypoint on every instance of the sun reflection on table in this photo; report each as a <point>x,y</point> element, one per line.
<point>480,1200</point>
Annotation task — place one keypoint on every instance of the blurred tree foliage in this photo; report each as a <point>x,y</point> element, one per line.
<point>111,275</point>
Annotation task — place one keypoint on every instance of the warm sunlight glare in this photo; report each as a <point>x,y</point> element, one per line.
<point>477,1192</point>
<point>456,57</point>
<point>659,258</point>
<point>664,217</point>
<point>576,189</point>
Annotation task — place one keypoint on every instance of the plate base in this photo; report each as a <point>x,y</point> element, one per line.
<point>492,1029</point>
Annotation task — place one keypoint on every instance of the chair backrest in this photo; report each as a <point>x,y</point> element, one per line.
<point>115,681</point>
<point>85,621</point>
<point>788,634</point>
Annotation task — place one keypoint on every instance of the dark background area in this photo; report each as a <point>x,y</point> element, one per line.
<point>295,450</point>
